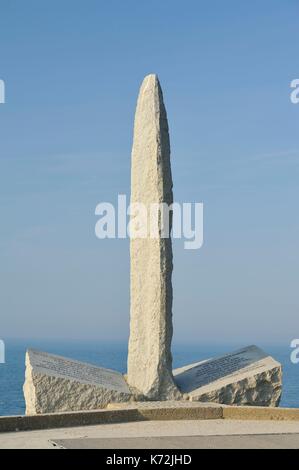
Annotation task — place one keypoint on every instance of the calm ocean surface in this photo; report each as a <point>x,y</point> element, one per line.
<point>114,356</point>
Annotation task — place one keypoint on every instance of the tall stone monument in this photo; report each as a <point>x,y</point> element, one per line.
<point>244,377</point>
<point>149,359</point>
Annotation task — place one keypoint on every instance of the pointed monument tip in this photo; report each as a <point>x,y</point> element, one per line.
<point>151,78</point>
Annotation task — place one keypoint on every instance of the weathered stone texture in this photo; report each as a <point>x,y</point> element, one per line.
<point>149,359</point>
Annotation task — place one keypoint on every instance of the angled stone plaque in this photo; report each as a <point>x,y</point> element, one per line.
<point>245,377</point>
<point>54,383</point>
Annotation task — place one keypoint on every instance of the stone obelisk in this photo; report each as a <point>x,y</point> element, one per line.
<point>149,359</point>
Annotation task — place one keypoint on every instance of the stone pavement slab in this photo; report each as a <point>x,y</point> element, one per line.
<point>262,441</point>
<point>153,430</point>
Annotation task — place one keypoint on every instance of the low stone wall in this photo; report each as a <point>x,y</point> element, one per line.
<point>154,411</point>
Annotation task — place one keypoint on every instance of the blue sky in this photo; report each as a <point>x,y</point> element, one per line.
<point>72,71</point>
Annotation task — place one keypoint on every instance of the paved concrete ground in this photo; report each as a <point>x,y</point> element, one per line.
<point>262,441</point>
<point>174,434</point>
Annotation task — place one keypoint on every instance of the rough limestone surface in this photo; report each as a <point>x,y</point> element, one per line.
<point>245,377</point>
<point>149,358</point>
<point>56,384</point>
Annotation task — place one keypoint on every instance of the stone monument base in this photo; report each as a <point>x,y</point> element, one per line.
<point>56,384</point>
